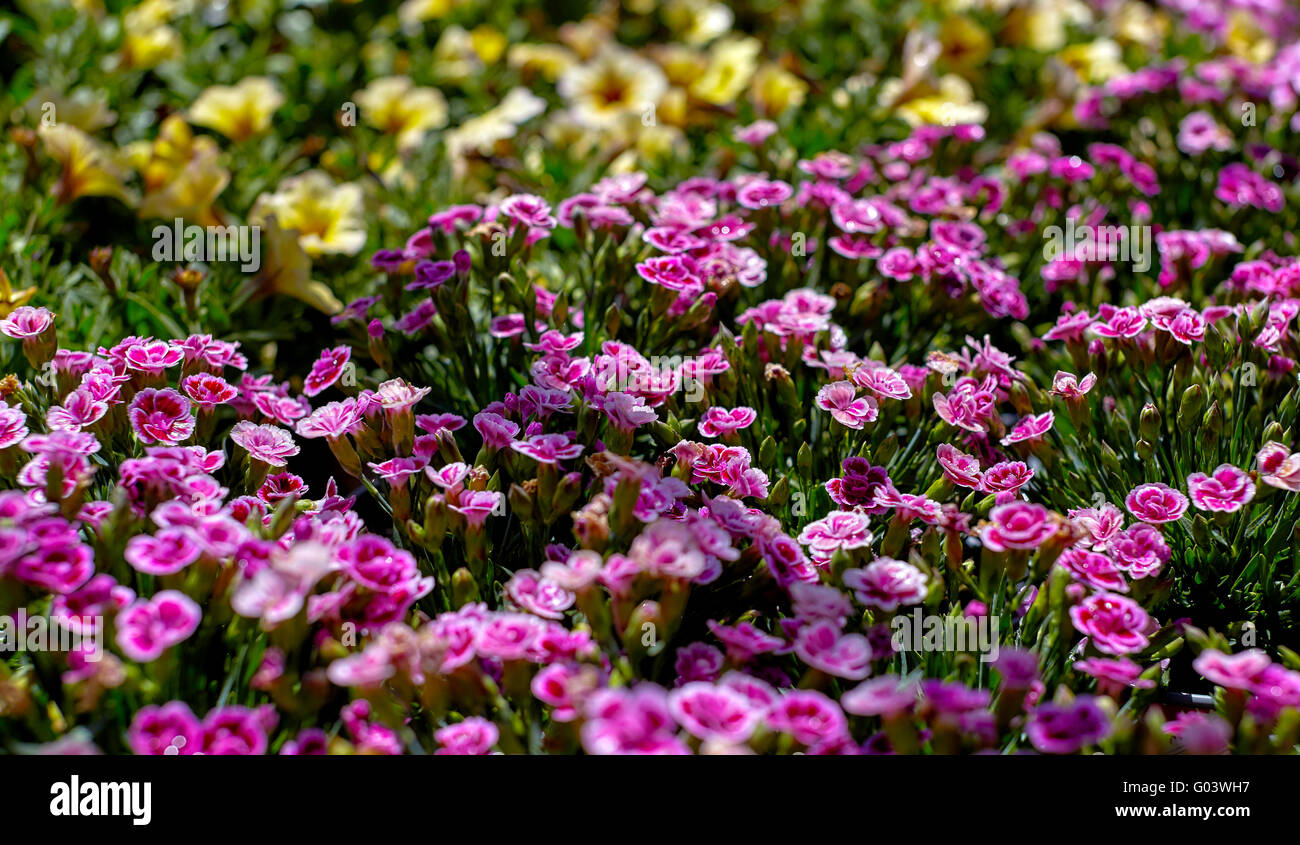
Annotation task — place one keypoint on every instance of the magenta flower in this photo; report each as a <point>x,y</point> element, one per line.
<point>153,356</point>
<point>151,626</point>
<point>959,468</point>
<point>168,551</point>
<point>238,731</point>
<point>1156,503</point>
<point>326,370</point>
<point>1069,387</point>
<point>27,322</point>
<point>1006,477</point>
<point>887,584</point>
<point>627,412</point>
<point>13,426</point>
<point>528,210</point>
<point>744,641</point>
<point>208,391</point>
<point>1278,466</point>
<point>1066,728</point>
<point>396,396</point>
<point>1114,624</point>
<point>538,595</point>
<point>1226,490</point>
<point>822,646</point>
<point>808,716</point>
<point>161,416</point>
<point>1017,525</point>
<point>1030,428</point>
<point>838,530</point>
<point>719,422</point>
<point>840,399</point>
<point>334,420</point>
<point>476,506</point>
<point>888,696</point>
<point>473,736</point>
<point>1094,569</point>
<point>1122,323</point>
<point>1139,550</point>
<point>674,272</point>
<point>881,380</point>
<point>711,712</point>
<point>1234,671</point>
<point>171,729</point>
<point>548,448</point>
<point>266,443</point>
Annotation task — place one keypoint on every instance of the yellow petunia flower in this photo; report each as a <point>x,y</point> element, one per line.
<point>10,298</point>
<point>480,134</point>
<point>775,89</point>
<point>952,103</point>
<point>731,67</point>
<point>328,218</point>
<point>488,43</point>
<point>1246,39</point>
<point>88,168</point>
<point>412,13</point>
<point>82,108</point>
<point>965,44</point>
<point>237,111</point>
<point>615,85</point>
<point>396,106</point>
<point>181,172</point>
<point>286,271</point>
<point>549,60</point>
<point>1096,61</point>
<point>698,21</point>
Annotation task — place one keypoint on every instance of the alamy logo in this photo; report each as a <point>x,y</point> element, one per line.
<point>93,798</point>
<point>1099,243</point>
<point>208,244</point>
<point>920,632</point>
<point>41,633</point>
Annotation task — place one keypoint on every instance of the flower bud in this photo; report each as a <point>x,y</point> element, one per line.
<point>1149,423</point>
<point>1189,410</point>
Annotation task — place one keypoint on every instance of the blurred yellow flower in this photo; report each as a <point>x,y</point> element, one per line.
<point>286,270</point>
<point>1096,61</point>
<point>146,49</point>
<point>776,89</point>
<point>88,168</point>
<point>1042,24</point>
<point>412,13</point>
<point>550,60</point>
<point>966,45</point>
<point>83,108</point>
<point>182,174</point>
<point>395,105</point>
<point>697,21</point>
<point>480,134</point>
<point>238,111</point>
<point>10,298</point>
<point>1246,39</point>
<point>1138,23</point>
<point>488,43</point>
<point>731,67</point>
<point>952,103</point>
<point>616,84</point>
<point>682,65</point>
<point>328,218</point>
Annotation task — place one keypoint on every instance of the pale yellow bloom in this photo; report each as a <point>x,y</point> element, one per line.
<point>412,13</point>
<point>10,298</point>
<point>238,111</point>
<point>966,46</point>
<point>328,218</point>
<point>682,65</point>
<point>488,43</point>
<point>146,49</point>
<point>1042,25</point>
<point>181,172</point>
<point>698,21</point>
<point>952,103</point>
<point>395,105</point>
<point>480,134</point>
<point>1246,39</point>
<point>588,37</point>
<point>82,108</point>
<point>775,89</point>
<point>286,270</point>
<point>616,84</point>
<point>1138,23</point>
<point>731,67</point>
<point>1096,61</point>
<point>550,60</point>
<point>88,168</point>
